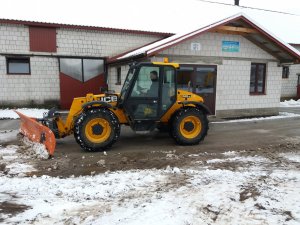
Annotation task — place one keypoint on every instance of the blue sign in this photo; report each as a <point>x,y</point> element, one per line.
<point>230,46</point>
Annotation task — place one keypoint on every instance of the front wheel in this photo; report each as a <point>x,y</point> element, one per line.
<point>189,126</point>
<point>96,129</point>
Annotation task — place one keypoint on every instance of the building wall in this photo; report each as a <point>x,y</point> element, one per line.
<point>112,78</point>
<point>233,82</point>
<point>40,87</point>
<point>289,85</point>
<point>211,45</point>
<point>14,38</point>
<point>233,74</point>
<point>99,43</point>
<point>43,83</point>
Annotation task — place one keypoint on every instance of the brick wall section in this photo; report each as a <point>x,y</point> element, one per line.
<point>211,45</point>
<point>233,82</point>
<point>289,85</point>
<point>98,43</point>
<point>39,87</point>
<point>112,78</point>
<point>14,38</point>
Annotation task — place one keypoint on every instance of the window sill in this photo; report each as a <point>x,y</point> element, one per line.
<point>257,94</point>
<point>11,74</point>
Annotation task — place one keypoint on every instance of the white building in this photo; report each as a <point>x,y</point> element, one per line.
<point>291,80</point>
<point>243,61</point>
<point>234,64</point>
<point>42,63</point>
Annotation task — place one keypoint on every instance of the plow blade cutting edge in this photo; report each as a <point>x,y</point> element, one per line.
<point>37,132</point>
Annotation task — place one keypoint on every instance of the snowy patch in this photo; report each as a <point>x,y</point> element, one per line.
<point>291,156</point>
<point>229,153</point>
<point>36,149</point>
<point>13,161</point>
<point>159,197</point>
<point>290,103</point>
<point>8,151</point>
<point>255,194</point>
<point>8,135</point>
<point>239,159</point>
<point>19,169</point>
<point>281,115</point>
<point>10,114</point>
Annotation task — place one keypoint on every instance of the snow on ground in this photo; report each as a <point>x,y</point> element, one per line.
<point>12,162</point>
<point>256,193</point>
<point>290,103</point>
<point>10,114</point>
<point>37,150</point>
<point>281,115</point>
<point>8,135</point>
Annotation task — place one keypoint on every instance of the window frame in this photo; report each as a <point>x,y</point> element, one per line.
<point>82,65</point>
<point>119,75</point>
<point>255,92</point>
<point>285,72</point>
<point>17,58</point>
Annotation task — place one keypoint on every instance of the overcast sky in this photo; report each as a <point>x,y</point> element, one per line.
<point>175,16</point>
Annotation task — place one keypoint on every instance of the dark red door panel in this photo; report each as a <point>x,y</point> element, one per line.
<point>71,88</point>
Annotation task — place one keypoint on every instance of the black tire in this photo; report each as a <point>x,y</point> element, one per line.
<point>185,127</point>
<point>96,129</point>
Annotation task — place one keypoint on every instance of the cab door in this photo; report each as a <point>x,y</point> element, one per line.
<point>144,107</point>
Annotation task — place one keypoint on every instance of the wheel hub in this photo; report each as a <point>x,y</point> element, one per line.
<point>97,129</point>
<point>189,126</point>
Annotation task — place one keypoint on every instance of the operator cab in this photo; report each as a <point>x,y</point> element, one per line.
<point>148,92</point>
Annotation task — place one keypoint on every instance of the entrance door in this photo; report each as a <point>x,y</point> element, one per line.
<point>201,80</point>
<point>205,85</point>
<point>79,77</point>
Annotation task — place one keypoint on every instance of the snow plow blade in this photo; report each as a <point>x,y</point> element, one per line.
<point>37,132</point>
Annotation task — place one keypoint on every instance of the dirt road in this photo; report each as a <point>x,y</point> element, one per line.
<point>158,150</point>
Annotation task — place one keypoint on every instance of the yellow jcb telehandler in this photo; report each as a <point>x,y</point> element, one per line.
<point>149,99</point>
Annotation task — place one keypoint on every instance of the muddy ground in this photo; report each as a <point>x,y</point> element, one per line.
<point>157,150</point>
<point>268,139</point>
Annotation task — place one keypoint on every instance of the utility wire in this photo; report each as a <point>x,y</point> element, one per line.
<point>248,7</point>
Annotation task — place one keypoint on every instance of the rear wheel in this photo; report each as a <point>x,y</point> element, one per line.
<point>96,129</point>
<point>189,126</point>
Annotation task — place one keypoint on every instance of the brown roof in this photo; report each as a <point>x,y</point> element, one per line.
<point>71,26</point>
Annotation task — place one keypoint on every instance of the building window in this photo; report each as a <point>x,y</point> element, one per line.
<point>257,78</point>
<point>118,76</point>
<point>18,65</point>
<point>285,72</point>
<point>81,69</point>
